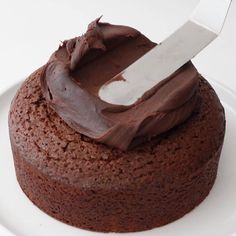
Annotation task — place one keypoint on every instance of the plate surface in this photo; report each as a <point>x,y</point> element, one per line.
<point>216,215</point>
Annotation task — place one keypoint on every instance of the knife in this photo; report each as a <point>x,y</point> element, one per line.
<point>204,25</point>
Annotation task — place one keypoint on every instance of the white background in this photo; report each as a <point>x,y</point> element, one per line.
<point>31,30</point>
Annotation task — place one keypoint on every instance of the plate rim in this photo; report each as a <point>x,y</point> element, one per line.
<point>227,92</point>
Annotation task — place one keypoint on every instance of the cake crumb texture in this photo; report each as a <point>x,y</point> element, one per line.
<point>92,186</point>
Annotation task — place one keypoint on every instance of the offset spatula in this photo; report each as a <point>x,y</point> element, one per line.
<point>200,30</point>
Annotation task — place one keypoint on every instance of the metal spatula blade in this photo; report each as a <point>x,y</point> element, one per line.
<point>200,30</point>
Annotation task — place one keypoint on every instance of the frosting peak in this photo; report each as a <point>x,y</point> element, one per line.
<point>75,72</point>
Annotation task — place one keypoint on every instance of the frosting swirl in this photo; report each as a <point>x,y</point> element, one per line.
<point>73,75</point>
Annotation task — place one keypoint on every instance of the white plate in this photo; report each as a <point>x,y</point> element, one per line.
<point>215,216</point>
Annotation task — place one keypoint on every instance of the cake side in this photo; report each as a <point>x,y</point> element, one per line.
<point>122,210</point>
<point>91,186</point>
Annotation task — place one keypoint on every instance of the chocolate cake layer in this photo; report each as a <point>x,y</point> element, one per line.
<point>96,187</point>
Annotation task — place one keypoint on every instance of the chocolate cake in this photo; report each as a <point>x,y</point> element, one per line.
<point>110,168</point>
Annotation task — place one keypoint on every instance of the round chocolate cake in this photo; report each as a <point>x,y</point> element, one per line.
<point>106,167</point>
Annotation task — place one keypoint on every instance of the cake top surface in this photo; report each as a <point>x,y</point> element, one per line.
<point>45,141</point>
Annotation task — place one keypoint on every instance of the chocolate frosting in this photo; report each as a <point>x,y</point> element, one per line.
<point>73,75</point>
